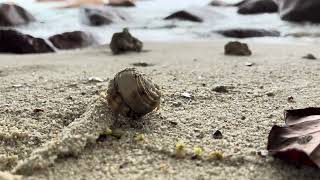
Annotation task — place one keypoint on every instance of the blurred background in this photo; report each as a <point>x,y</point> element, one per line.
<point>146,21</point>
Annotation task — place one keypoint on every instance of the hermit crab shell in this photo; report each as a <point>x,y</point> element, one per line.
<point>131,94</point>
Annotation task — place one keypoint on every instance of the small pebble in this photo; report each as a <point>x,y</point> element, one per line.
<point>249,64</point>
<point>217,135</point>
<point>263,153</point>
<point>174,123</point>
<point>309,56</point>
<point>177,104</point>
<point>38,110</point>
<point>17,86</point>
<point>95,79</point>
<point>270,94</point>
<point>200,135</point>
<point>141,64</point>
<point>220,89</point>
<point>291,99</point>
<point>186,95</point>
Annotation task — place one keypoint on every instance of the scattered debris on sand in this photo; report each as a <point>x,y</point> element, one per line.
<point>99,116</point>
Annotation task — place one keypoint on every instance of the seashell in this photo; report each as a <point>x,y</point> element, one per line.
<point>131,94</point>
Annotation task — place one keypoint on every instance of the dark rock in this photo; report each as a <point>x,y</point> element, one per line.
<point>299,10</point>
<point>185,16</point>
<point>270,94</point>
<point>12,41</point>
<point>309,56</point>
<point>249,64</point>
<point>99,16</point>
<point>248,33</point>
<point>217,135</point>
<point>124,41</point>
<point>221,89</point>
<point>122,3</point>
<point>141,64</point>
<point>258,6</point>
<point>225,4</point>
<point>13,15</point>
<point>290,99</point>
<point>237,48</point>
<point>72,40</point>
<point>200,135</point>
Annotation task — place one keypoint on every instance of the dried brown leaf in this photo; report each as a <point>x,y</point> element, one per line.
<point>298,142</point>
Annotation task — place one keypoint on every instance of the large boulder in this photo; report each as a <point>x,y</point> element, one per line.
<point>248,33</point>
<point>236,48</point>
<point>226,4</point>
<point>196,14</point>
<point>122,42</point>
<point>12,41</point>
<point>258,6</point>
<point>121,3</point>
<point>102,15</point>
<point>299,10</point>
<point>13,15</point>
<point>185,16</point>
<point>72,40</point>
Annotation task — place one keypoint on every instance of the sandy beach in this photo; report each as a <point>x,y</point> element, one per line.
<point>41,95</point>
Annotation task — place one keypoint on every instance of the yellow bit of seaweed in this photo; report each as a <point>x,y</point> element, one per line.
<point>103,94</point>
<point>139,137</point>
<point>108,132</point>
<point>197,151</point>
<point>180,148</point>
<point>215,155</point>
<point>116,133</point>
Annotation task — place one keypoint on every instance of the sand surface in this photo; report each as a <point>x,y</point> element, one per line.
<point>58,85</point>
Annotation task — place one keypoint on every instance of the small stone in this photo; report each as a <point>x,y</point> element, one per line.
<point>174,123</point>
<point>177,104</point>
<point>243,117</point>
<point>186,95</point>
<point>17,86</point>
<point>237,48</point>
<point>290,99</point>
<point>141,64</point>
<point>270,94</point>
<point>217,135</point>
<point>38,110</point>
<point>249,64</point>
<point>263,153</point>
<point>123,41</point>
<point>200,135</point>
<point>69,98</point>
<point>309,56</point>
<point>220,89</point>
<point>95,80</point>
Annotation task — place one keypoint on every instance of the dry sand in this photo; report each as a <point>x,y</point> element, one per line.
<point>58,84</point>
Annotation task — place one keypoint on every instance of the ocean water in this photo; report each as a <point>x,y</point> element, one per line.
<point>146,22</point>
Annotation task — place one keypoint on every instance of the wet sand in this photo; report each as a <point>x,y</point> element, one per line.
<point>44,96</point>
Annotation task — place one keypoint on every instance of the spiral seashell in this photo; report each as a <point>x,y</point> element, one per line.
<point>131,94</point>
